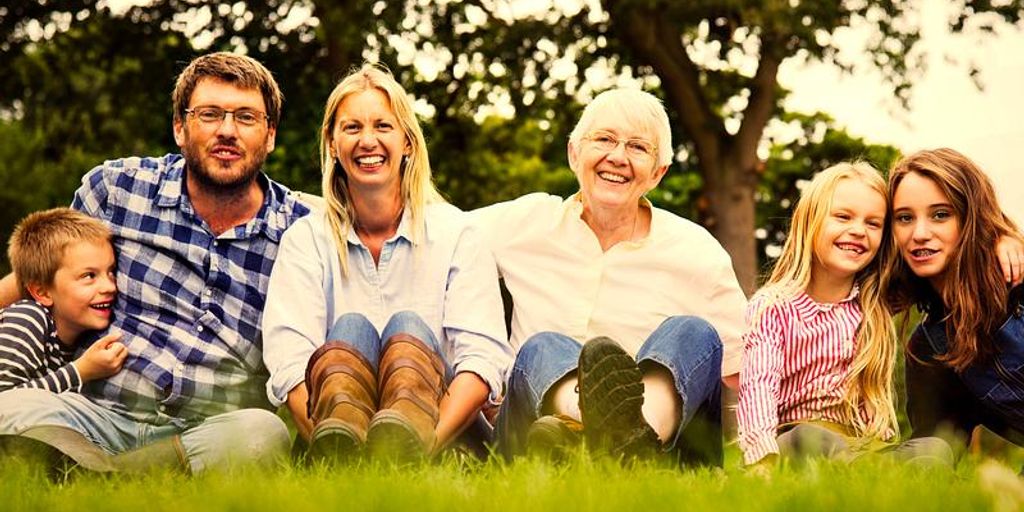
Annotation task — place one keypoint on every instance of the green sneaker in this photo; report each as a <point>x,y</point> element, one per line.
<point>611,401</point>
<point>553,436</point>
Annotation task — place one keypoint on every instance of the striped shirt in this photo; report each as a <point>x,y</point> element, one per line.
<point>189,301</point>
<point>797,354</point>
<point>31,355</point>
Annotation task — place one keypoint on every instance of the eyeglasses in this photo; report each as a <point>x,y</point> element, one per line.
<point>216,115</point>
<point>606,141</point>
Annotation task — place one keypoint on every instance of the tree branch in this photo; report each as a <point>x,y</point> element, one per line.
<point>761,104</point>
<point>662,48</point>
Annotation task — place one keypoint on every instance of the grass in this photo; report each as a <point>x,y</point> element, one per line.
<point>531,485</point>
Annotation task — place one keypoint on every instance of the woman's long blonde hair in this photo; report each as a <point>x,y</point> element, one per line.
<point>869,381</point>
<point>417,186</point>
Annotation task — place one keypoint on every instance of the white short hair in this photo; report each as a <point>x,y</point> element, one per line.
<point>638,108</point>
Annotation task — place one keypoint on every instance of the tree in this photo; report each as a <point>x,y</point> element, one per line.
<point>715,62</point>
<point>721,106</point>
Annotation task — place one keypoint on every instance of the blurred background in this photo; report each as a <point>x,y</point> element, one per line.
<point>761,93</point>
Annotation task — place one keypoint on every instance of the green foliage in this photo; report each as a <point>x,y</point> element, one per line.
<point>819,146</point>
<point>82,84</point>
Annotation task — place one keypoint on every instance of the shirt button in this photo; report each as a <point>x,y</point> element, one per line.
<point>180,366</point>
<point>200,328</point>
<point>207,292</point>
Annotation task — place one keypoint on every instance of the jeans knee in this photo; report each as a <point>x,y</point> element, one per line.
<point>264,437</point>
<point>23,408</point>
<point>352,321</point>
<point>408,322</point>
<point>542,346</point>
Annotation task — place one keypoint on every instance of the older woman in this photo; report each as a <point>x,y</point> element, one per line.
<point>622,301</point>
<point>380,302</point>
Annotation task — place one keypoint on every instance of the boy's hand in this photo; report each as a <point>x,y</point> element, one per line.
<point>103,359</point>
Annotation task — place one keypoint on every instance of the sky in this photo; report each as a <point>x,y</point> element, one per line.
<point>947,109</point>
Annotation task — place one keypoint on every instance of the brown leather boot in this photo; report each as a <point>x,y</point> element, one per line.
<point>342,398</point>
<point>411,383</point>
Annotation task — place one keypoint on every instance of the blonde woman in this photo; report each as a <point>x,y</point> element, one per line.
<point>385,299</point>
<point>817,375</point>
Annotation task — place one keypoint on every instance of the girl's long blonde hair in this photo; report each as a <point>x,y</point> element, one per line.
<point>869,381</point>
<point>417,186</point>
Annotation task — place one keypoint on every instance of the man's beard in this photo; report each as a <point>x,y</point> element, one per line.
<point>223,183</point>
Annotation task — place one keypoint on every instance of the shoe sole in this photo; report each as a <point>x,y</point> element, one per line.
<point>333,442</point>
<point>611,400</point>
<point>550,441</point>
<point>391,438</point>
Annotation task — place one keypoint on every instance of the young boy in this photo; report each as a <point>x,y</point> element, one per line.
<point>64,261</point>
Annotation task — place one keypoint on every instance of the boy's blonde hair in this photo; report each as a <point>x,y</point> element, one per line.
<point>36,248</point>
<point>869,381</point>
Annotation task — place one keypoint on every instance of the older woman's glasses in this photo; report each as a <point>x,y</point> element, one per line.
<point>215,115</point>
<point>606,141</point>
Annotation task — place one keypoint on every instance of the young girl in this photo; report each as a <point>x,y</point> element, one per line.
<point>821,347</point>
<point>965,362</point>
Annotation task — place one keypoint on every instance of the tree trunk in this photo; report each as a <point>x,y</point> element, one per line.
<point>341,26</point>
<point>729,215</point>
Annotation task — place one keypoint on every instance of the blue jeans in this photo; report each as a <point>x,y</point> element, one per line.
<point>687,346</point>
<point>245,436</point>
<point>989,392</point>
<point>358,332</point>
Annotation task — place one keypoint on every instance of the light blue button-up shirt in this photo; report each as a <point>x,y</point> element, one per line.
<point>448,278</point>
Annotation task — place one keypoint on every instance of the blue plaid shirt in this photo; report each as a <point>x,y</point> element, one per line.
<point>189,302</point>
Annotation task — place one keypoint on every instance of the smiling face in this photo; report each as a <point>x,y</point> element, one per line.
<point>368,142</point>
<point>926,227</point>
<point>611,165</point>
<point>224,155</point>
<point>617,177</point>
<point>83,289</point>
<point>851,232</point>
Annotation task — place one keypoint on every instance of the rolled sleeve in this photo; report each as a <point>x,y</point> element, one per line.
<point>91,197</point>
<point>474,316</point>
<point>295,316</point>
<point>726,303</point>
<point>486,370</point>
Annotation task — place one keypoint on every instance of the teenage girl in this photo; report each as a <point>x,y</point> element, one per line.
<point>965,361</point>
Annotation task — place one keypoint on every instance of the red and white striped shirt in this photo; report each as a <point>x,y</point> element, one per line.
<point>797,354</point>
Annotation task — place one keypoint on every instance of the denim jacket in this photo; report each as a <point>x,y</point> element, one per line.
<point>997,382</point>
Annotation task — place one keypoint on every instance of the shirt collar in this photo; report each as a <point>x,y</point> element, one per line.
<point>404,231</point>
<point>573,206</point>
<point>808,308</point>
<point>270,220</point>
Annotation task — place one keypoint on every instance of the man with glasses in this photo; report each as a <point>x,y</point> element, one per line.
<point>196,235</point>
<point>620,309</point>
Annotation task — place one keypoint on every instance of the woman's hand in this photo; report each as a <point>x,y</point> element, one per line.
<point>467,394</point>
<point>1010,251</point>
